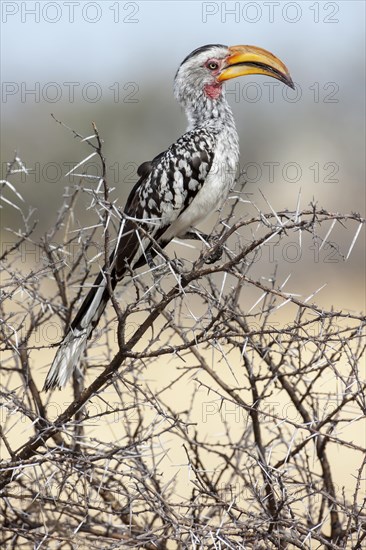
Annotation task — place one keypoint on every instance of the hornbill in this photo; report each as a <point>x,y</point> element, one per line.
<point>180,187</point>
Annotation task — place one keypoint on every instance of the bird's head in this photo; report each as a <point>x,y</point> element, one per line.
<point>203,71</point>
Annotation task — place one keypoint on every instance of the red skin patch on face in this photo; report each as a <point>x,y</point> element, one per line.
<point>213,90</point>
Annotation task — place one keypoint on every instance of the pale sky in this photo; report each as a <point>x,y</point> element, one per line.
<point>84,40</point>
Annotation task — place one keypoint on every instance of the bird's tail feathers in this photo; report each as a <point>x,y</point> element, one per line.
<point>66,359</point>
<point>73,345</point>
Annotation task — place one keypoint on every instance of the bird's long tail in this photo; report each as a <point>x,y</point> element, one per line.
<point>130,251</point>
<point>73,345</point>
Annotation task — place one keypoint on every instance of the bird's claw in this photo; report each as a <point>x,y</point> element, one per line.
<point>217,253</point>
<point>159,271</point>
<point>176,265</point>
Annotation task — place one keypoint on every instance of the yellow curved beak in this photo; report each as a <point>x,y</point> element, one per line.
<point>244,60</point>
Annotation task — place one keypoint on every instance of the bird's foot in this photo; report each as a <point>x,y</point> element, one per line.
<point>217,252</point>
<point>211,241</point>
<point>159,271</point>
<point>176,265</point>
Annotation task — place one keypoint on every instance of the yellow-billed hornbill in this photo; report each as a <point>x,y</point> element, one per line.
<point>180,187</point>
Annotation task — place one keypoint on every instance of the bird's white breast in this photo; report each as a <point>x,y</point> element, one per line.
<point>215,189</point>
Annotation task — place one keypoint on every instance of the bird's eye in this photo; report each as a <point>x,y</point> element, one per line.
<point>212,65</point>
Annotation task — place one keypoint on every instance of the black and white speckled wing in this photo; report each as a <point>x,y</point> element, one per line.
<point>167,186</point>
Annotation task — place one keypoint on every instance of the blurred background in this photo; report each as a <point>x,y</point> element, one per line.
<point>114,63</point>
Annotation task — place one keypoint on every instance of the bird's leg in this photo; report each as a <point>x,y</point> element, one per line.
<point>158,271</point>
<point>216,255</point>
<point>208,240</point>
<point>195,235</point>
<point>150,260</point>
